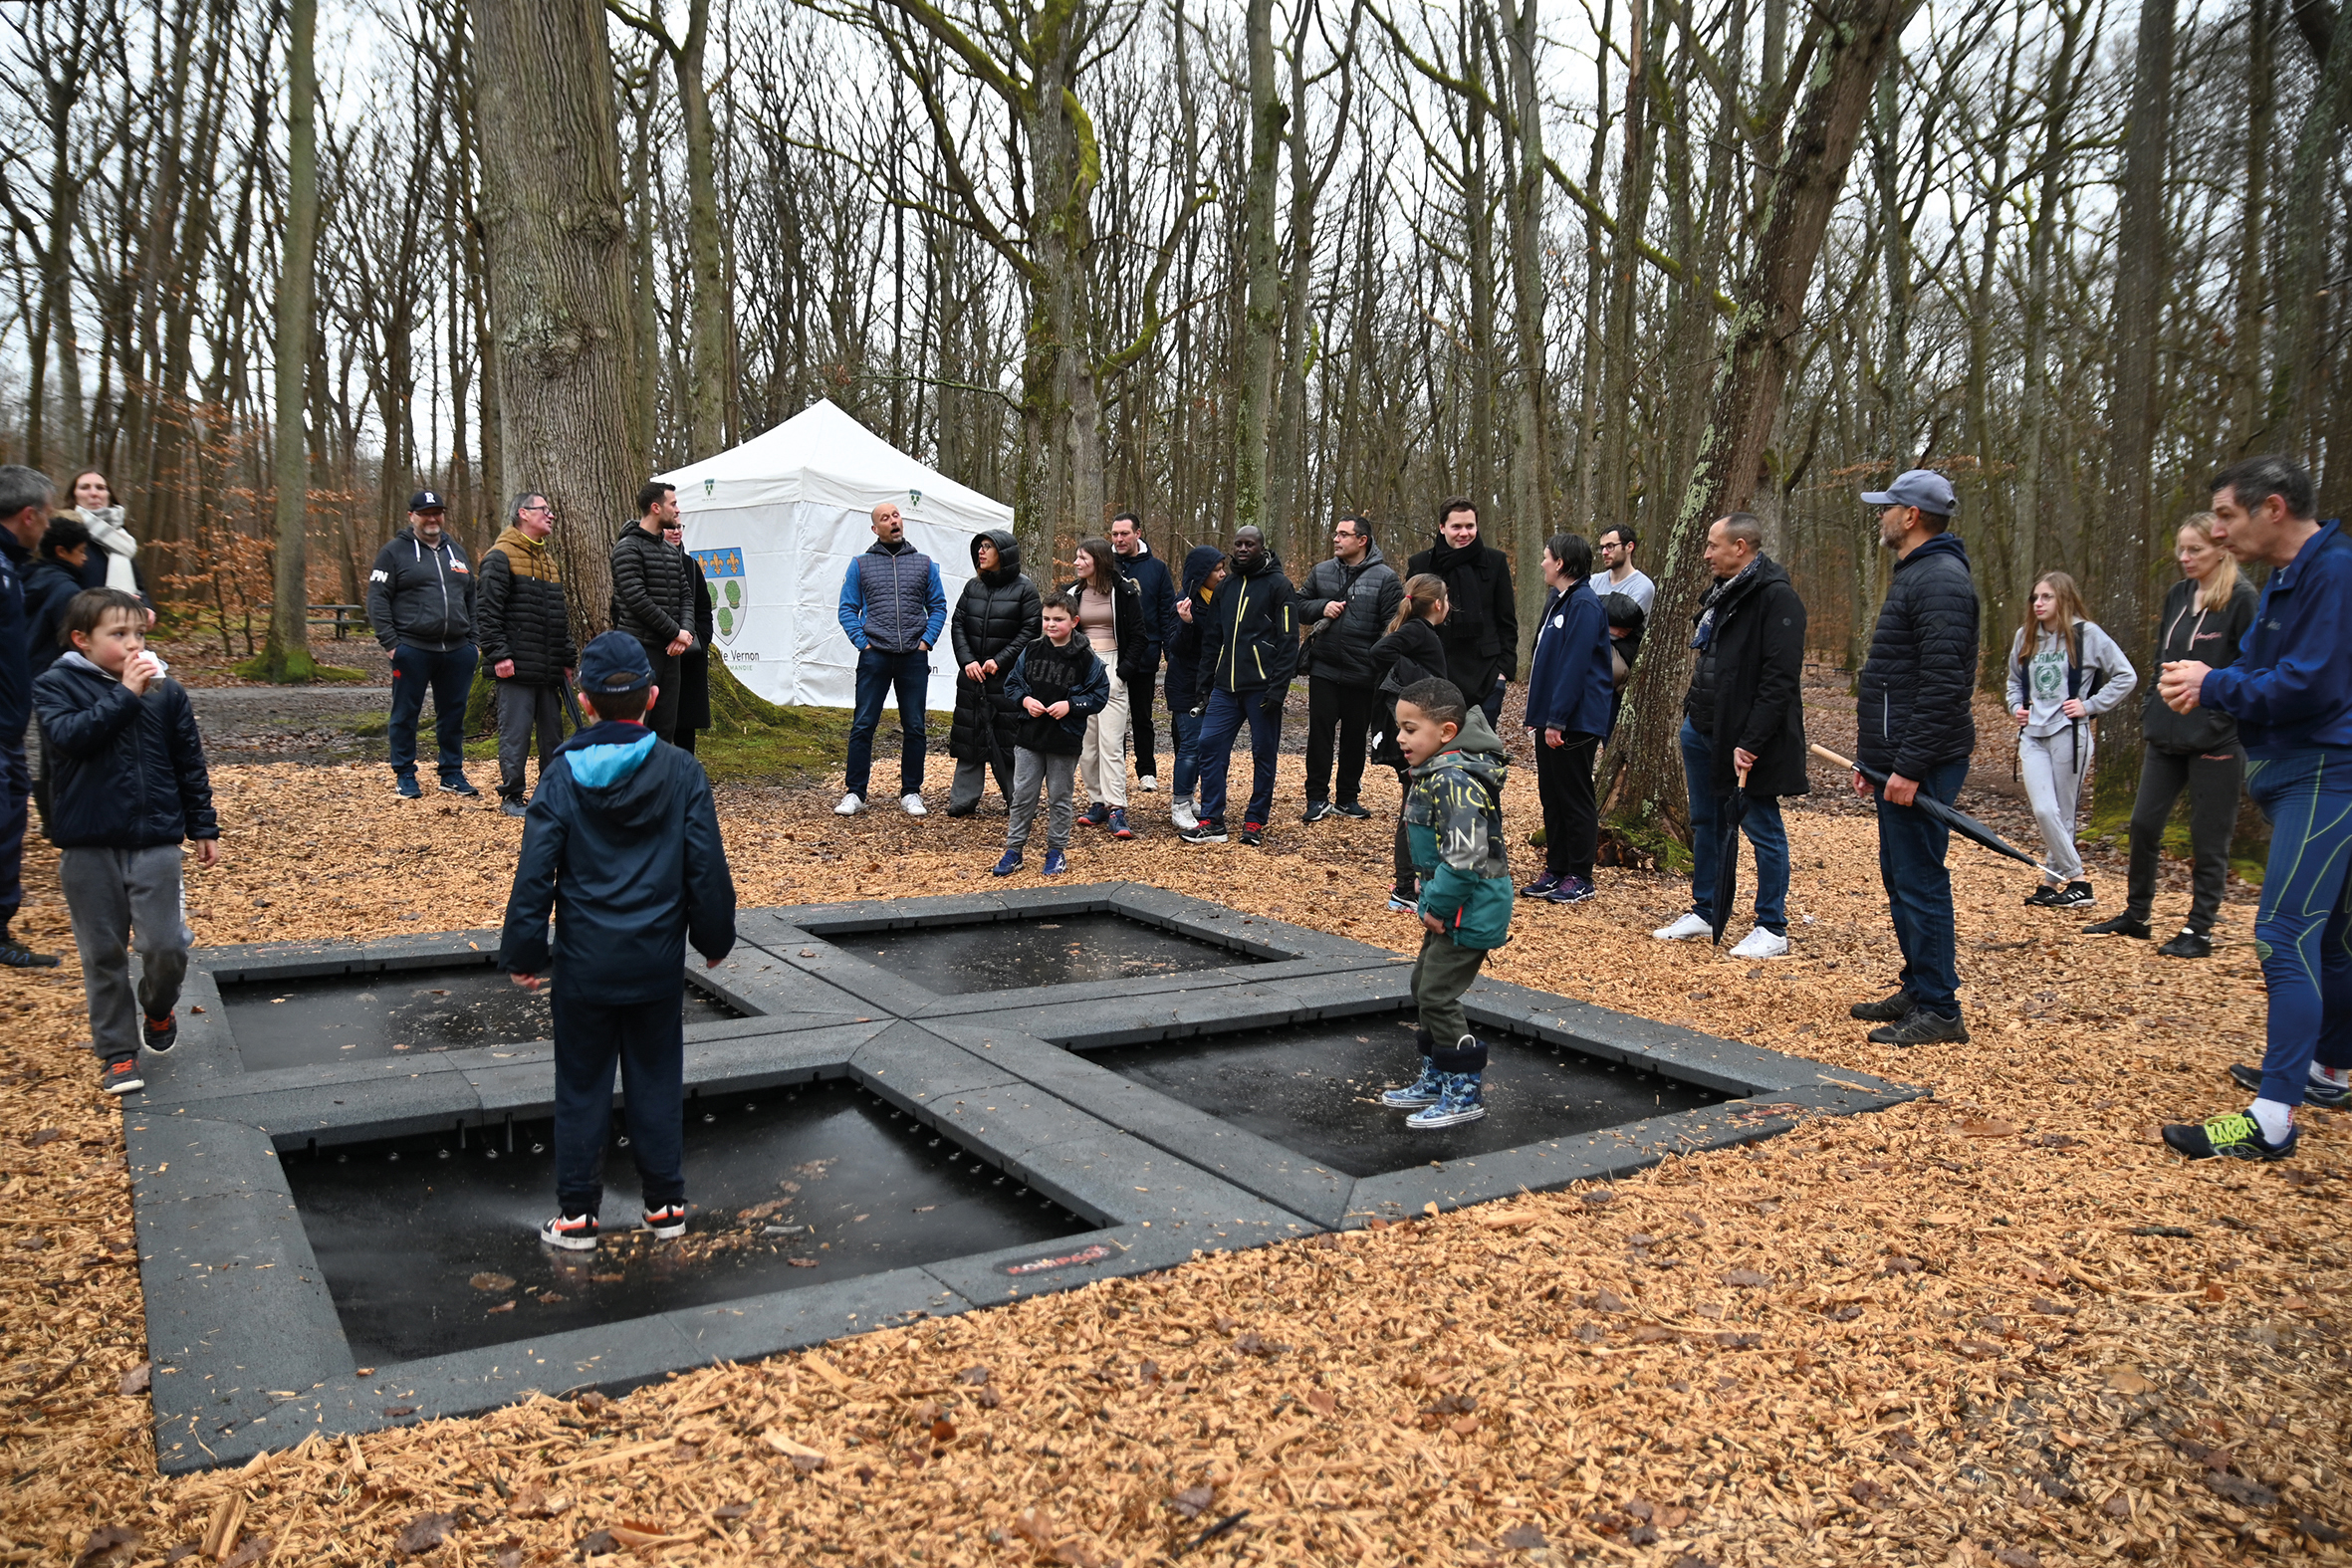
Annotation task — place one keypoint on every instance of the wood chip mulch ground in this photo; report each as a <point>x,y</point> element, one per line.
<point>2000,1326</point>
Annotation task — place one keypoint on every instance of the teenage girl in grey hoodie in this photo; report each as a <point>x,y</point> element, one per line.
<point>2064,678</point>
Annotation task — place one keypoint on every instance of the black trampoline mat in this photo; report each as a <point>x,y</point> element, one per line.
<point>1001,955</point>
<point>394,1013</point>
<point>422,1242</point>
<point>1315,1089</point>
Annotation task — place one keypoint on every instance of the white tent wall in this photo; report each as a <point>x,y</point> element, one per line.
<point>777,521</point>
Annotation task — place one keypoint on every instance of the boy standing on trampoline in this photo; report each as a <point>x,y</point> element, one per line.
<point>1454,823</point>
<point>622,842</point>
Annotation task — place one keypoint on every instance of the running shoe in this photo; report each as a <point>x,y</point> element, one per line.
<point>2074,895</point>
<point>1922,1027</point>
<point>1690,923</point>
<point>1118,823</point>
<point>1354,809</point>
<point>2188,944</point>
<point>1254,834</point>
<point>163,1033</point>
<point>2042,898</point>
<point>2120,926</point>
<point>2316,1092</point>
<point>1316,811</point>
<point>1544,884</point>
<point>120,1075</point>
<point>1006,866</point>
<point>1572,890</point>
<point>2235,1135</point>
<point>1894,1009</point>
<point>1208,830</point>
<point>1055,863</point>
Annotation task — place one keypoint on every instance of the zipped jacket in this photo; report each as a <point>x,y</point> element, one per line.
<point>1339,648</point>
<point>124,771</point>
<point>422,595</point>
<point>1187,676</point>
<point>892,600</point>
<point>2291,689</point>
<point>523,615</point>
<point>2211,637</point>
<point>1252,640</point>
<point>1913,708</point>
<point>1569,685</point>
<point>649,583</point>
<point>1454,829</point>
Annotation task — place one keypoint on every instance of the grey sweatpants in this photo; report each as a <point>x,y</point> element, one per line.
<point>2053,765</point>
<point>1053,773</point>
<point>522,709</point>
<point>120,899</point>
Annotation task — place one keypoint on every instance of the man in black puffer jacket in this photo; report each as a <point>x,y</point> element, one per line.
<point>648,590</point>
<point>524,630</point>
<point>994,619</point>
<point>1345,605</point>
<point>1915,723</point>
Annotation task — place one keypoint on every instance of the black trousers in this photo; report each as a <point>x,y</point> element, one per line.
<point>2212,783</point>
<point>668,686</point>
<point>1406,877</point>
<point>1142,745</point>
<point>1571,816</point>
<point>1347,712</point>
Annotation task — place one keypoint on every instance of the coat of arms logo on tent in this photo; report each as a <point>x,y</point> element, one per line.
<point>722,571</point>
<point>710,487</point>
<point>914,498</point>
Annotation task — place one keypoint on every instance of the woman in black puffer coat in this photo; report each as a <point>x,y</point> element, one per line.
<point>994,619</point>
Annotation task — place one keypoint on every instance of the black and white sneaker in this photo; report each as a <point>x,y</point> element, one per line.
<point>2042,898</point>
<point>572,1232</point>
<point>2119,926</point>
<point>2188,944</point>
<point>666,1223</point>
<point>120,1075</point>
<point>162,1033</point>
<point>1316,811</point>
<point>1354,809</point>
<point>1208,830</point>
<point>1923,1028</point>
<point>2074,895</point>
<point>2314,1092</point>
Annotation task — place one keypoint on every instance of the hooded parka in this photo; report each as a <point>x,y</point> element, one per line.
<point>998,615</point>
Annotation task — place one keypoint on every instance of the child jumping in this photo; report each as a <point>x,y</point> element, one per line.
<point>621,841</point>
<point>126,785</point>
<point>1056,683</point>
<point>1454,818</point>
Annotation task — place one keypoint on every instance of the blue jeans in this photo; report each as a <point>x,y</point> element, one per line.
<point>1911,848</point>
<point>449,674</point>
<point>2304,926</point>
<point>1188,755</point>
<point>878,675</point>
<point>648,1039</point>
<point>1763,828</point>
<point>1228,711</point>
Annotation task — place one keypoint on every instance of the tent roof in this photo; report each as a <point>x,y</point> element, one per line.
<point>821,454</point>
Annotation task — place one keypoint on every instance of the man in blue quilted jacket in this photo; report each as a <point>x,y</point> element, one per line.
<point>892,608</point>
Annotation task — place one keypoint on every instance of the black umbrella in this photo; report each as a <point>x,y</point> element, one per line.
<point>572,705</point>
<point>1959,822</point>
<point>1729,814</point>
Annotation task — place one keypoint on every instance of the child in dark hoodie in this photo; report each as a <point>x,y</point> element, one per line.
<point>1055,685</point>
<point>1454,816</point>
<point>127,785</point>
<point>1188,686</point>
<point>622,841</point>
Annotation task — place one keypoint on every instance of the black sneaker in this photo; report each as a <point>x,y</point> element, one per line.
<point>2042,898</point>
<point>1354,809</point>
<point>1254,834</point>
<point>15,955</point>
<point>2314,1092</point>
<point>407,786</point>
<point>2120,926</point>
<point>120,1075</point>
<point>666,1223</point>
<point>2074,895</point>
<point>2188,944</point>
<point>508,805</point>
<point>1316,811</point>
<point>1403,899</point>
<point>458,786</point>
<point>1894,1009</point>
<point>1208,830</point>
<point>572,1232</point>
<point>163,1033</point>
<point>2235,1135</point>
<point>1923,1028</point>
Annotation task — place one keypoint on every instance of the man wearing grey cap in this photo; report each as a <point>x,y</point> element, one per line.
<point>1914,723</point>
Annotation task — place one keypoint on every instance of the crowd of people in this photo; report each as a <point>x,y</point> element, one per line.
<point>1055,693</point>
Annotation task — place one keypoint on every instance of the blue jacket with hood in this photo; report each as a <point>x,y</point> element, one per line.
<point>2291,687</point>
<point>622,842</point>
<point>1187,689</point>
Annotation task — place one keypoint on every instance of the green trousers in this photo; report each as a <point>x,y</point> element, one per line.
<point>1441,975</point>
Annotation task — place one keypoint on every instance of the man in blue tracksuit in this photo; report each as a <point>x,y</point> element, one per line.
<point>2290,692</point>
<point>892,608</point>
<point>622,841</point>
<point>1248,651</point>
<point>420,602</point>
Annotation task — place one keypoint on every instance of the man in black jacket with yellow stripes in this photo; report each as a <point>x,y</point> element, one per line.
<point>1250,650</point>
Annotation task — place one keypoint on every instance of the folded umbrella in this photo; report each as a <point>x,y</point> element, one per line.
<point>1729,815</point>
<point>1959,822</point>
<point>572,705</point>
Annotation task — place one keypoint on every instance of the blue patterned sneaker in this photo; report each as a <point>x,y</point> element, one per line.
<point>1427,1089</point>
<point>1006,866</point>
<point>1460,1099</point>
<point>1544,884</point>
<point>2236,1136</point>
<point>1572,890</point>
<point>1055,862</point>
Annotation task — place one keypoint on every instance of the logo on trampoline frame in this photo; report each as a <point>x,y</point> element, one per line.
<point>722,573</point>
<point>1038,1266</point>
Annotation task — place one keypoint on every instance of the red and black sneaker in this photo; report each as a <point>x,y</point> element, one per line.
<point>1254,834</point>
<point>666,1223</point>
<point>572,1232</point>
<point>120,1075</point>
<point>163,1033</point>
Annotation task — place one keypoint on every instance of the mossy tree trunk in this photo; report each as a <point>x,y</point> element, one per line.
<point>286,657</point>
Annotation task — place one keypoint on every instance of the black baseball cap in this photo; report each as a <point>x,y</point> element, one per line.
<point>615,662</point>
<point>427,501</point>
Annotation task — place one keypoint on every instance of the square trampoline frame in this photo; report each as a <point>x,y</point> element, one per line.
<point>248,1350</point>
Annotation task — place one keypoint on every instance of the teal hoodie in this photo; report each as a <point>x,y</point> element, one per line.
<point>1454,829</point>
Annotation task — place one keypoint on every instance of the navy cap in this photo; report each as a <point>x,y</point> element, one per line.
<point>612,663</point>
<point>427,501</point>
<point>1923,488</point>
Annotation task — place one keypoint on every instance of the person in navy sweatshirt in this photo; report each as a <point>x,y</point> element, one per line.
<point>2290,692</point>
<point>622,841</point>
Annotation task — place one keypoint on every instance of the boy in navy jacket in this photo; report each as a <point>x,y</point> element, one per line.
<point>126,785</point>
<point>622,841</point>
<point>1053,686</point>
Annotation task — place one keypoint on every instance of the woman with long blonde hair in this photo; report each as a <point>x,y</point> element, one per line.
<point>2205,616</point>
<point>2064,671</point>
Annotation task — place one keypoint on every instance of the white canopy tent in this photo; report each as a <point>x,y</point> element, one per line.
<point>776,522</point>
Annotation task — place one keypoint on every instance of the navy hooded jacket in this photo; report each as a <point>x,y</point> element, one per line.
<point>622,842</point>
<point>2291,687</point>
<point>1187,689</point>
<point>1570,681</point>
<point>124,771</point>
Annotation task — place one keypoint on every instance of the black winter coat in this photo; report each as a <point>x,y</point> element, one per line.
<point>1188,686</point>
<point>694,665</point>
<point>1481,632</point>
<point>1760,659</point>
<point>123,772</point>
<point>1251,642</point>
<point>519,610</point>
<point>2184,633</point>
<point>648,587</point>
<point>995,617</point>
<point>49,587</point>
<point>422,595</point>
<point>1913,708</point>
<point>1340,650</point>
<point>1412,652</point>
<point>1158,587</point>
<point>1134,662</point>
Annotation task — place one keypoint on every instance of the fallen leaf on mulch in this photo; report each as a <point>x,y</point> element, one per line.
<point>136,1380</point>
<point>2130,1380</point>
<point>257,1549</point>
<point>423,1534</point>
<point>1746,1278</point>
<point>1194,1501</point>
<point>2319,1529</point>
<point>1986,1127</point>
<point>2239,1491</point>
<point>1523,1539</point>
<point>535,1503</point>
<point>599,1543</point>
<point>803,1459</point>
<point>2016,1557</point>
<point>113,1543</point>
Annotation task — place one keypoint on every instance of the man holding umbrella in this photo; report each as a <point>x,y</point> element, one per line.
<point>1742,735</point>
<point>1914,725</point>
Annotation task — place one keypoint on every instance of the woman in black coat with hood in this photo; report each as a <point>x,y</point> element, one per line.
<point>1481,632</point>
<point>996,618</point>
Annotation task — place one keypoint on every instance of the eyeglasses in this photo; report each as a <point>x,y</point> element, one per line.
<point>542,507</point>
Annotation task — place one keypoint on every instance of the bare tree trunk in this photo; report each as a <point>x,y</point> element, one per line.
<point>1645,761</point>
<point>287,655</point>
<point>1633,199</point>
<point>556,251</point>
<point>2301,370</point>
<point>1262,271</point>
<point>1530,471</point>
<point>2250,410</point>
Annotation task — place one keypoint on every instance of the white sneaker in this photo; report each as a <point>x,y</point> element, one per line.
<point>1149,784</point>
<point>914,804</point>
<point>1689,925</point>
<point>1181,816</point>
<point>850,805</point>
<point>1760,942</point>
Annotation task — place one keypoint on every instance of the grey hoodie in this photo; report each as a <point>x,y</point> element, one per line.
<point>2037,680</point>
